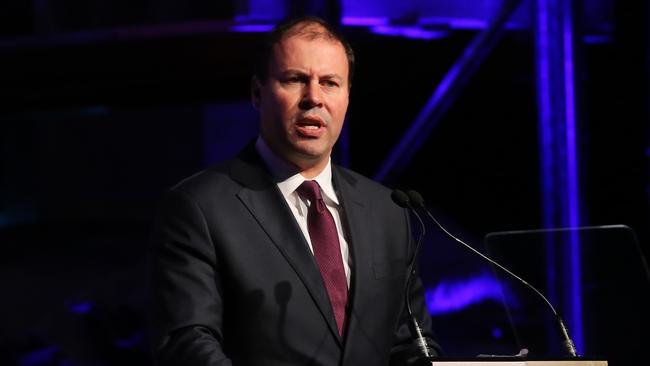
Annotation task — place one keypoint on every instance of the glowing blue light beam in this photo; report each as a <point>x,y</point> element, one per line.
<point>452,296</point>
<point>364,21</point>
<point>252,28</point>
<point>444,95</point>
<point>558,149</point>
<point>408,32</point>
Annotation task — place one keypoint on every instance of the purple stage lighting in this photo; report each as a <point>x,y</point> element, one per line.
<point>451,296</point>
<point>558,150</point>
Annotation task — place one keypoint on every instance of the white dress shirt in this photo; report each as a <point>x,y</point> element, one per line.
<point>289,179</point>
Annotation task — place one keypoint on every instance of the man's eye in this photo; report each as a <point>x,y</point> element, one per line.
<point>294,80</point>
<point>330,83</point>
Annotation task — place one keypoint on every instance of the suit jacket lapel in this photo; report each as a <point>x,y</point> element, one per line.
<point>356,213</point>
<point>263,199</point>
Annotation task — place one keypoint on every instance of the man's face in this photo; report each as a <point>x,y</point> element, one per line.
<point>304,99</point>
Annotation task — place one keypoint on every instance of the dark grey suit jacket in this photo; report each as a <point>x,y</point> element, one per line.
<point>233,281</point>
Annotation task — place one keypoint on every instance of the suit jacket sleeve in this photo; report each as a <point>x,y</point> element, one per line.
<point>185,295</point>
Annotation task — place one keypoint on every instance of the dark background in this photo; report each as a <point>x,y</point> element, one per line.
<point>105,104</point>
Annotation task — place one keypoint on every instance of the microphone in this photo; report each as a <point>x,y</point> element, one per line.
<point>402,200</point>
<point>415,199</point>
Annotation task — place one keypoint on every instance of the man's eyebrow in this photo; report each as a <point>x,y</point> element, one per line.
<point>332,76</point>
<point>298,72</point>
<point>293,72</point>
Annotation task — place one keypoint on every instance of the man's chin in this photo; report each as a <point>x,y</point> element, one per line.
<point>310,157</point>
<point>311,150</point>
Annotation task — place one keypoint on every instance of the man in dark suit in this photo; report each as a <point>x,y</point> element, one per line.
<point>279,257</point>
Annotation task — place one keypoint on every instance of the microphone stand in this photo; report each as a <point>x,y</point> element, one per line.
<point>416,198</point>
<point>402,200</point>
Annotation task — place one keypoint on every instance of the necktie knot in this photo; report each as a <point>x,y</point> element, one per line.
<point>310,190</point>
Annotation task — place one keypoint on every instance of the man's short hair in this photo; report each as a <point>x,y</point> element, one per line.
<point>302,26</point>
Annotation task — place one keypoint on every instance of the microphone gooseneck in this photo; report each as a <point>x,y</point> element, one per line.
<point>402,200</point>
<point>416,199</point>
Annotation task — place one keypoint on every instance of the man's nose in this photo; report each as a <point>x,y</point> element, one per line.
<point>312,96</point>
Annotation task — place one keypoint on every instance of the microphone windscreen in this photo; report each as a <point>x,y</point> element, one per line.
<point>400,198</point>
<point>415,198</point>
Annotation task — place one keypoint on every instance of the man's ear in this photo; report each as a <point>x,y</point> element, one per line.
<point>255,92</point>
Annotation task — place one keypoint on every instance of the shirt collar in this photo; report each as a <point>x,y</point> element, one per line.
<point>289,178</point>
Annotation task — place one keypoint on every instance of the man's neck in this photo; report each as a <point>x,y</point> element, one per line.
<point>312,171</point>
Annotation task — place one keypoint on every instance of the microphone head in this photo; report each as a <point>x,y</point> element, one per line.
<point>400,198</point>
<point>415,198</point>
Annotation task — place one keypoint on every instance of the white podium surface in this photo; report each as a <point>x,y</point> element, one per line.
<point>519,363</point>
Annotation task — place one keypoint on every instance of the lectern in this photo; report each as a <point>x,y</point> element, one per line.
<point>488,362</point>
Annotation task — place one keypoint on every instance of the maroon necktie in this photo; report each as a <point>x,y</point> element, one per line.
<point>327,250</point>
